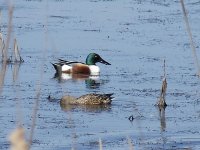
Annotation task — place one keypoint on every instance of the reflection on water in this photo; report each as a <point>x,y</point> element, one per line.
<point>162,118</point>
<point>65,76</point>
<point>162,125</point>
<point>15,71</point>
<point>91,82</point>
<point>2,75</point>
<point>16,67</point>
<point>86,108</point>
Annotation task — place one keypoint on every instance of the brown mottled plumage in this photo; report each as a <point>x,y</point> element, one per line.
<point>88,99</point>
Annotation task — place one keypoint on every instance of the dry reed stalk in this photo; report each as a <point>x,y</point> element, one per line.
<point>130,143</point>
<point>5,52</point>
<point>0,20</point>
<point>17,140</point>
<point>38,89</point>
<point>100,144</point>
<point>2,75</point>
<point>192,44</point>
<point>35,109</point>
<point>17,55</point>
<point>164,88</point>
<point>3,65</point>
<point>2,45</point>
<point>161,102</point>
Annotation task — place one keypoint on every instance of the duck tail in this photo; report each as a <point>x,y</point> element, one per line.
<point>57,67</point>
<point>110,95</point>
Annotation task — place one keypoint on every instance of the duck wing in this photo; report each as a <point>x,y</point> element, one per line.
<point>95,99</point>
<point>66,62</point>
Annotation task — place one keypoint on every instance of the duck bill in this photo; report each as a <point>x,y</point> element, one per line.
<point>104,62</point>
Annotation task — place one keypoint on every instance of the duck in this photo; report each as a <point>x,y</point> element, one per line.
<point>88,99</point>
<point>75,67</point>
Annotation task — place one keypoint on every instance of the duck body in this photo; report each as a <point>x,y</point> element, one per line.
<point>80,68</point>
<point>88,99</point>
<point>74,67</point>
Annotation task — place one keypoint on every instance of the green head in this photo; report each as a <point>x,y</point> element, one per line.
<point>93,58</point>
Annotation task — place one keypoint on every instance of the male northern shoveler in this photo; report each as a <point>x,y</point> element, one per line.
<point>74,67</point>
<point>88,99</point>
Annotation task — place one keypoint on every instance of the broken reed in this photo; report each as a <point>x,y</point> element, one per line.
<point>17,55</point>
<point>5,47</point>
<point>161,101</point>
<point>192,44</point>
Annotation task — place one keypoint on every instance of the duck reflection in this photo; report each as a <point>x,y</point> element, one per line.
<point>88,102</point>
<point>91,81</point>
<point>65,76</point>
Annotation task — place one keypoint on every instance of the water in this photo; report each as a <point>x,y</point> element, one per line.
<point>135,36</point>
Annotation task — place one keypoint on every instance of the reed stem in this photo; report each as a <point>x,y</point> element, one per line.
<point>9,31</point>
<point>192,44</point>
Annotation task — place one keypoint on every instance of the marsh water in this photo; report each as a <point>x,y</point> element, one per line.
<point>135,36</point>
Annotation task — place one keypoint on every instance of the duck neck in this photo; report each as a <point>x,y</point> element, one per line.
<point>90,61</point>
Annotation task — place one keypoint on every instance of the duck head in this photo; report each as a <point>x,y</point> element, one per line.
<point>93,58</point>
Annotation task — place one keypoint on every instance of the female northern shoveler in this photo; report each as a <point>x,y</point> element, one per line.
<point>74,67</point>
<point>88,99</point>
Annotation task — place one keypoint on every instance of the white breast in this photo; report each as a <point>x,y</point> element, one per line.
<point>66,67</point>
<point>94,70</point>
